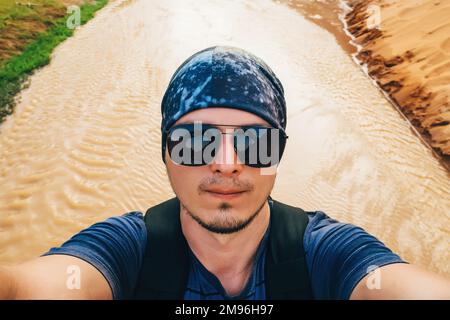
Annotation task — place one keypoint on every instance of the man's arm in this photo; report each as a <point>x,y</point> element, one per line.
<point>7,284</point>
<point>53,277</point>
<point>346,262</point>
<point>402,281</point>
<point>100,262</point>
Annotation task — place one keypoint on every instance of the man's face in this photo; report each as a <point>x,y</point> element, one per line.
<point>201,189</point>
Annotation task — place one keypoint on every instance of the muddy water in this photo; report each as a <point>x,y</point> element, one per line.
<point>84,142</point>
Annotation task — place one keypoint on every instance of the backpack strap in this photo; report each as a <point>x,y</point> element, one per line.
<point>165,267</point>
<point>286,271</point>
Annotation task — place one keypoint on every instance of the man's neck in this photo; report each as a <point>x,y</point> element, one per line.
<point>228,256</point>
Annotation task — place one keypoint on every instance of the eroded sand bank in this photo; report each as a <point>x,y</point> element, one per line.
<point>405,46</point>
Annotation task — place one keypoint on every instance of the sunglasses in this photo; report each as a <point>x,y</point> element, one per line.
<point>196,144</point>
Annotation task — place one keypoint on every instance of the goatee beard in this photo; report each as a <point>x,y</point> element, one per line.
<point>228,227</point>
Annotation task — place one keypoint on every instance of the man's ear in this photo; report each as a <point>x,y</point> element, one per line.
<point>166,156</point>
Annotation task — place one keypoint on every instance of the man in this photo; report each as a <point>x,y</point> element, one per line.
<point>223,236</point>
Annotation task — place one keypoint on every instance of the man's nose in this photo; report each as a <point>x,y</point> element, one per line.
<point>226,160</point>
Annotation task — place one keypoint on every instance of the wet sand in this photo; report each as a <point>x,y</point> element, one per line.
<point>326,14</point>
<point>84,142</point>
<point>408,55</point>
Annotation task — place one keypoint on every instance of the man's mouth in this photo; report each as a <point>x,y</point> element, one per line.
<point>226,194</point>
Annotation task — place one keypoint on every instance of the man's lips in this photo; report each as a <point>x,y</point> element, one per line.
<point>225,191</point>
<point>225,194</point>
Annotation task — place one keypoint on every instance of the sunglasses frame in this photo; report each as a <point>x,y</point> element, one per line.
<point>189,125</point>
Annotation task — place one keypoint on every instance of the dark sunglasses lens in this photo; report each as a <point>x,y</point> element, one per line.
<point>259,147</point>
<point>187,146</point>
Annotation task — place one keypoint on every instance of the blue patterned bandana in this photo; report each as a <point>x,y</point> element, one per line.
<point>226,77</point>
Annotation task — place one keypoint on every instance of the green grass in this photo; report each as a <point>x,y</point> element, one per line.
<point>10,10</point>
<point>15,71</point>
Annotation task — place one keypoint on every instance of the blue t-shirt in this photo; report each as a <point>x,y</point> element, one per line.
<point>338,256</point>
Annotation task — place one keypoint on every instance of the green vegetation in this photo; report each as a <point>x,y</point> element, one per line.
<point>28,35</point>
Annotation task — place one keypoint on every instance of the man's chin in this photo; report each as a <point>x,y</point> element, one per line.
<point>225,228</point>
<point>225,221</point>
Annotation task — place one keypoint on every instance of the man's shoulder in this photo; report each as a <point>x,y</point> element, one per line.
<point>135,216</point>
<point>132,220</point>
<point>323,228</point>
<point>319,220</point>
<point>316,220</point>
<point>129,226</point>
<point>340,254</point>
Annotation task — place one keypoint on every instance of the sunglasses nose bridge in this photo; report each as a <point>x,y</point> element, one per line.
<point>226,154</point>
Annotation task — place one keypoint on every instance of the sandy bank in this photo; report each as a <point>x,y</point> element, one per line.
<point>405,46</point>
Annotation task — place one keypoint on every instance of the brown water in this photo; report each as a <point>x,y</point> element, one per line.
<point>84,143</point>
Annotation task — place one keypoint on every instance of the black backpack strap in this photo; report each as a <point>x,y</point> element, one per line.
<point>165,267</point>
<point>286,271</point>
